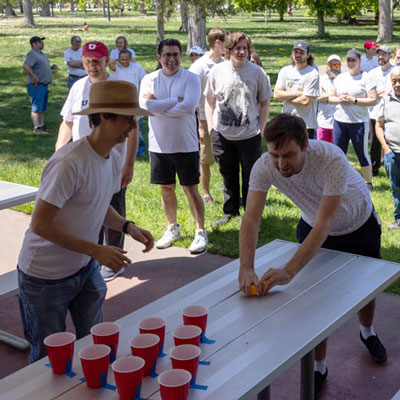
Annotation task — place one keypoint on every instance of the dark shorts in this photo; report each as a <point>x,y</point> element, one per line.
<point>164,168</point>
<point>39,97</point>
<point>365,241</point>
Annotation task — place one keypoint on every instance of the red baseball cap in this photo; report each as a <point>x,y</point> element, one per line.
<point>95,49</point>
<point>370,44</point>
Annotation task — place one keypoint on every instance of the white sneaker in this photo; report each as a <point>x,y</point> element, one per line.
<point>109,274</point>
<point>172,234</point>
<point>199,243</point>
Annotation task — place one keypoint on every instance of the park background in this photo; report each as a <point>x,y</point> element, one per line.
<point>23,153</point>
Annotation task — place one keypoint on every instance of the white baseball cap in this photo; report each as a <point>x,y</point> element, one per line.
<point>333,57</point>
<point>196,50</point>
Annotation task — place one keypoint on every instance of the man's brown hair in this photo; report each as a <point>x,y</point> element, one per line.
<point>233,39</point>
<point>216,34</point>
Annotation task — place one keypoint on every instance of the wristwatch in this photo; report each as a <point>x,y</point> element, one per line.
<point>125,226</point>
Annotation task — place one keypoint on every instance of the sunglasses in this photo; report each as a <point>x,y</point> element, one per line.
<point>336,65</point>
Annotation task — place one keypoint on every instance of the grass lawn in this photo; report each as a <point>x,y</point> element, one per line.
<point>23,154</point>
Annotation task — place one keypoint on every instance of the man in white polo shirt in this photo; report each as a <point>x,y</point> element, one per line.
<point>72,59</point>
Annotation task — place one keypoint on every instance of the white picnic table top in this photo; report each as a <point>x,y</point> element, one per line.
<point>257,338</point>
<point>13,194</point>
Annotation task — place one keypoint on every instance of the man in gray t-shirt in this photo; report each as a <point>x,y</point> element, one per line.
<point>38,69</point>
<point>387,132</point>
<point>341,216</point>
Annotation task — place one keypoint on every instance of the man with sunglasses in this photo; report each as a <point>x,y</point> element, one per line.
<point>325,109</point>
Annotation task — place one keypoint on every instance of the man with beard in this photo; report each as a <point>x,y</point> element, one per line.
<point>325,109</point>
<point>336,213</point>
<point>298,87</point>
<point>381,76</point>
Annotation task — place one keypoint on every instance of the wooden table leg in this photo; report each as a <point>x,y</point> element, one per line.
<point>307,377</point>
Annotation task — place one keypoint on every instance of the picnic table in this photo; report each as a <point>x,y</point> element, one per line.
<point>256,338</point>
<point>13,194</point>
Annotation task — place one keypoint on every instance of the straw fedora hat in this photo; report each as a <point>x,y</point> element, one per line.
<point>114,97</point>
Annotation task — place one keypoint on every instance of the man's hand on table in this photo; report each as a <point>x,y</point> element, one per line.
<point>273,277</point>
<point>248,277</point>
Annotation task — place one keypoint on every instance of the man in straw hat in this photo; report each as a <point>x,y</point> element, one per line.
<point>58,266</point>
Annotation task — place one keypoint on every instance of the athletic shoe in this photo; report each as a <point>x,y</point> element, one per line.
<point>224,220</point>
<point>199,243</point>
<point>319,380</point>
<point>172,234</point>
<point>109,274</point>
<point>375,347</point>
<point>394,225</point>
<point>40,131</point>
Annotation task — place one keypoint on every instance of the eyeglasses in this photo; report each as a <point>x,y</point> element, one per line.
<point>168,55</point>
<point>335,65</point>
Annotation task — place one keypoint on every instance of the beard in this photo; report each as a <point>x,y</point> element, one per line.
<point>332,73</point>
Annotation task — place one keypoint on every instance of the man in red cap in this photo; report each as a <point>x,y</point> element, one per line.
<point>368,59</point>
<point>95,60</point>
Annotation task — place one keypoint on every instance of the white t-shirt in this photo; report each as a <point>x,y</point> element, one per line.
<point>201,68</point>
<point>173,129</point>
<point>326,172</point>
<point>237,93</point>
<point>383,82</point>
<point>325,109</point>
<point>71,55</point>
<point>368,64</point>
<point>307,79</point>
<point>133,74</point>
<point>72,180</point>
<point>356,86</point>
<point>115,53</point>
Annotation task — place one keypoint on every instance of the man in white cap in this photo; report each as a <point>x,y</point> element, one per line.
<point>95,60</point>
<point>195,53</point>
<point>58,266</point>
<point>298,87</point>
<point>325,109</point>
<point>381,76</point>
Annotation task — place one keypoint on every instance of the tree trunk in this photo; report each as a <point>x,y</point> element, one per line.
<point>28,13</point>
<point>142,10</point>
<point>197,28</point>
<point>72,6</point>
<point>45,9</point>
<point>321,23</point>
<point>52,9</point>
<point>9,10</point>
<point>385,28</point>
<point>265,16</point>
<point>160,21</point>
<point>184,16</point>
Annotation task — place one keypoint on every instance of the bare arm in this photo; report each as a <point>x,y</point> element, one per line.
<point>131,150</point>
<point>302,100</point>
<point>263,113</point>
<point>209,111</point>
<point>334,98</point>
<point>325,217</point>
<point>29,71</point>
<point>380,134</point>
<point>324,97</point>
<point>282,94</point>
<point>248,239</point>
<point>112,63</point>
<point>370,100</point>
<point>75,63</point>
<point>64,134</point>
<point>43,224</point>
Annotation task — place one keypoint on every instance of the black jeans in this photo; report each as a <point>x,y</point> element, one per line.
<point>231,155</point>
<point>375,148</point>
<point>115,238</point>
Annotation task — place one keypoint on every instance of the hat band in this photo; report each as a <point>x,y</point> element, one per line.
<point>113,105</point>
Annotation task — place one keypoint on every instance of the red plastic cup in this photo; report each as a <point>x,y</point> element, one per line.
<point>128,373</point>
<point>196,315</point>
<point>186,357</point>
<point>107,333</point>
<point>95,360</point>
<point>145,346</point>
<point>174,384</point>
<point>60,349</point>
<point>156,326</point>
<point>187,334</point>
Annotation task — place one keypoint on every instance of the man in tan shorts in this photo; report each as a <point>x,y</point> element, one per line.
<point>216,38</point>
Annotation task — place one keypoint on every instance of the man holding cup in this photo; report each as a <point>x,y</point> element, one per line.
<point>58,266</point>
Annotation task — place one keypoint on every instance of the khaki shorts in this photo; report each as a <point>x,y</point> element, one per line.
<point>206,154</point>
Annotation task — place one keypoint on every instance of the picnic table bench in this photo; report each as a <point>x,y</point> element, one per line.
<point>13,194</point>
<point>256,338</point>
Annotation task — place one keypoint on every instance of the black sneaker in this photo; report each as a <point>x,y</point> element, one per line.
<point>376,349</point>
<point>319,380</point>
